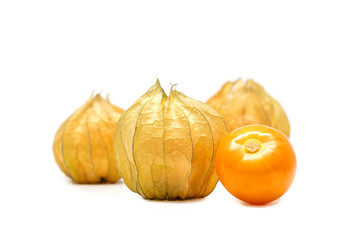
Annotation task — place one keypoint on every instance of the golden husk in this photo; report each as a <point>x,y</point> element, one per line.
<point>165,146</point>
<point>83,145</point>
<point>244,103</point>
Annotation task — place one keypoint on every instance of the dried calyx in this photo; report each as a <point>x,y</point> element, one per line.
<point>244,103</point>
<point>165,146</point>
<point>83,145</point>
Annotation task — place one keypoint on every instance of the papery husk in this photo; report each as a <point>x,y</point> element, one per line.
<point>245,103</point>
<point>83,145</point>
<point>165,146</point>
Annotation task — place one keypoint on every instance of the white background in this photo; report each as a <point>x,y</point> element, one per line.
<point>53,54</point>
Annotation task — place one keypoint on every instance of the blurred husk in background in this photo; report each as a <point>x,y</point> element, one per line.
<point>245,103</point>
<point>83,145</point>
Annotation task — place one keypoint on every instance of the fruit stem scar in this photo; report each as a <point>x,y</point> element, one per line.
<point>252,146</point>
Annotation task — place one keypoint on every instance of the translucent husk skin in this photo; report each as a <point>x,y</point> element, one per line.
<point>165,146</point>
<point>245,103</point>
<point>83,145</point>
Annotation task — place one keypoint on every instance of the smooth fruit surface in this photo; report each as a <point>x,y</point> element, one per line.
<point>256,163</point>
